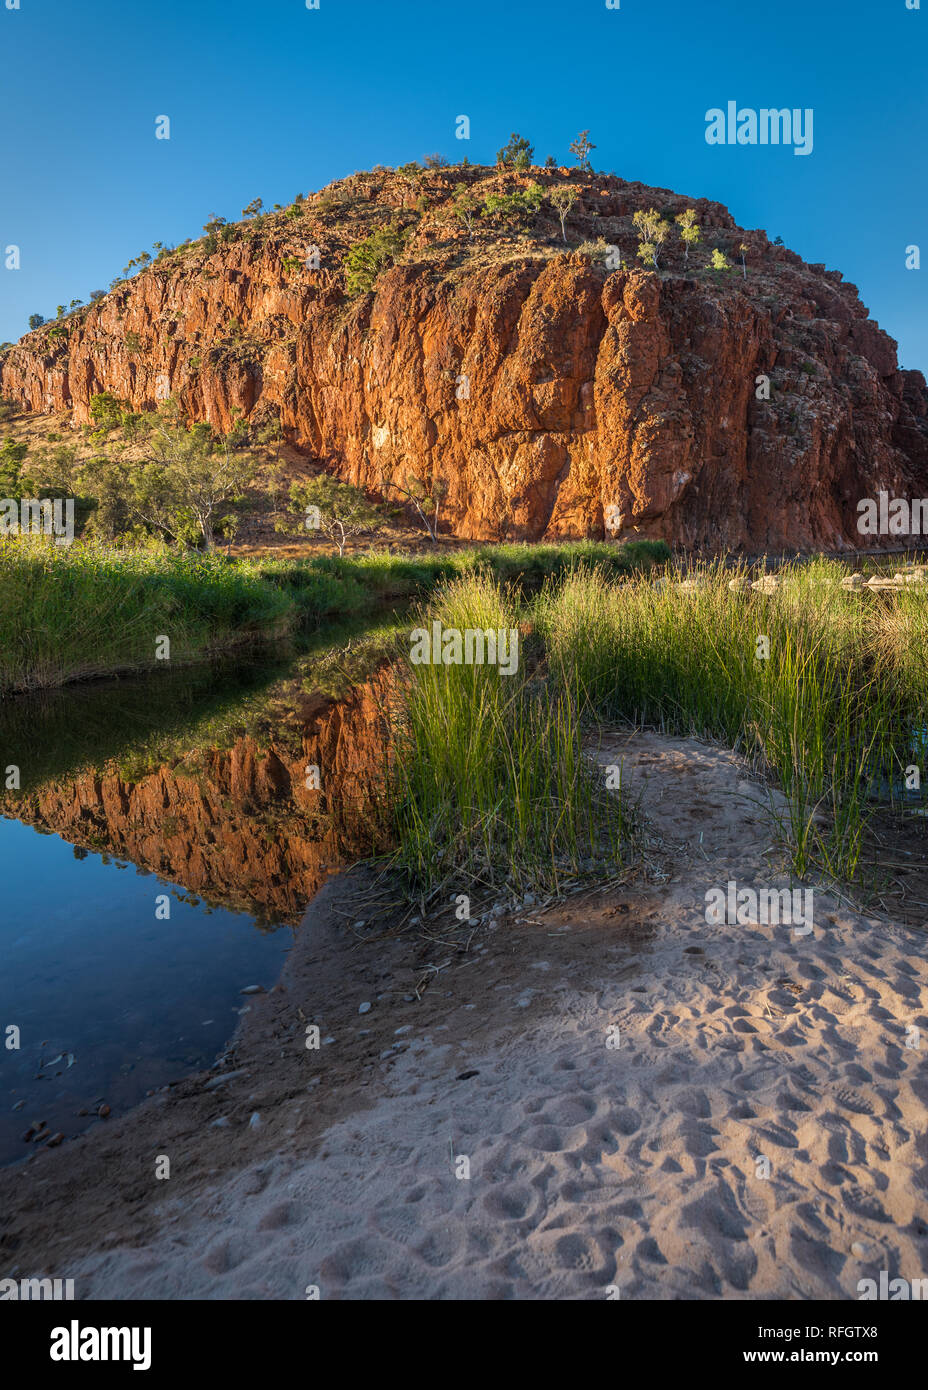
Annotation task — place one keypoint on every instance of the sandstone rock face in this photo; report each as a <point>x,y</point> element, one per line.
<point>540,386</point>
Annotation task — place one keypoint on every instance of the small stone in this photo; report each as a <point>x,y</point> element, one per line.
<point>19,1105</point>
<point>859,1250</point>
<point>103,1111</point>
<point>255,1121</point>
<point>55,1140</point>
<point>252,989</point>
<point>406,1028</point>
<point>222,1123</point>
<point>364,1008</point>
<point>359,925</point>
<point>215,1081</point>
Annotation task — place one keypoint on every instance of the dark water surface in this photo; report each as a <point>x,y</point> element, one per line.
<point>125,1002</point>
<point>178,787</point>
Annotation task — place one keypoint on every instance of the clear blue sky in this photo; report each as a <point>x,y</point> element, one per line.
<point>267,98</point>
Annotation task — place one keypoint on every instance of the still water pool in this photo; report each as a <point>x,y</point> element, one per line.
<point>155,858</point>
<point>110,1001</point>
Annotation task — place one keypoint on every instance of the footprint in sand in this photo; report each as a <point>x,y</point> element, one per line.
<point>853,1100</point>
<point>864,1204</point>
<point>509,1202</point>
<point>280,1215</point>
<point>571,1110</point>
<point>222,1257</point>
<point>357,1259</point>
<point>439,1246</point>
<point>545,1138</point>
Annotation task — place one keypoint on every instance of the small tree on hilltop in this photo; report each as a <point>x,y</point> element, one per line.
<point>580,149</point>
<point>743,250</point>
<point>341,510</point>
<point>517,154</point>
<point>653,231</point>
<point>35,321</point>
<point>253,208</point>
<point>689,231</point>
<point>464,206</point>
<point>719,261</point>
<point>562,200</point>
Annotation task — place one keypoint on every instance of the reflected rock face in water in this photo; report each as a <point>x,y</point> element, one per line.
<point>250,826</point>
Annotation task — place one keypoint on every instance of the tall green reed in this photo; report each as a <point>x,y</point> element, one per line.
<point>492,791</point>
<point>819,712</point>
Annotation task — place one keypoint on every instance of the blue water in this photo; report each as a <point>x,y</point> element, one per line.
<point>88,970</point>
<point>88,973</point>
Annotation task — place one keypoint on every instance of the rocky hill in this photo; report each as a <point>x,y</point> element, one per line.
<point>546,389</point>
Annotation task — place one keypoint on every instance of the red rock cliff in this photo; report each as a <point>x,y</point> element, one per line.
<point>539,385</point>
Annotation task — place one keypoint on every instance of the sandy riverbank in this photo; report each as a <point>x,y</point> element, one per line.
<point>591,1165</point>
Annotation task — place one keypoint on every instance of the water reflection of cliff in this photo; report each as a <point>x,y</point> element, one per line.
<point>244,826</point>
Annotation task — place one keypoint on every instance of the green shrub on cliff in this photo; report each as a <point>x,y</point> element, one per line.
<point>366,259</point>
<point>514,209</point>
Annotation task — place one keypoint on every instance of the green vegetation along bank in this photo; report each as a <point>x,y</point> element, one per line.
<point>74,612</point>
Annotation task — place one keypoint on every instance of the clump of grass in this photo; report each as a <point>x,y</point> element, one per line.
<point>819,713</point>
<point>82,610</point>
<point>491,790</point>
